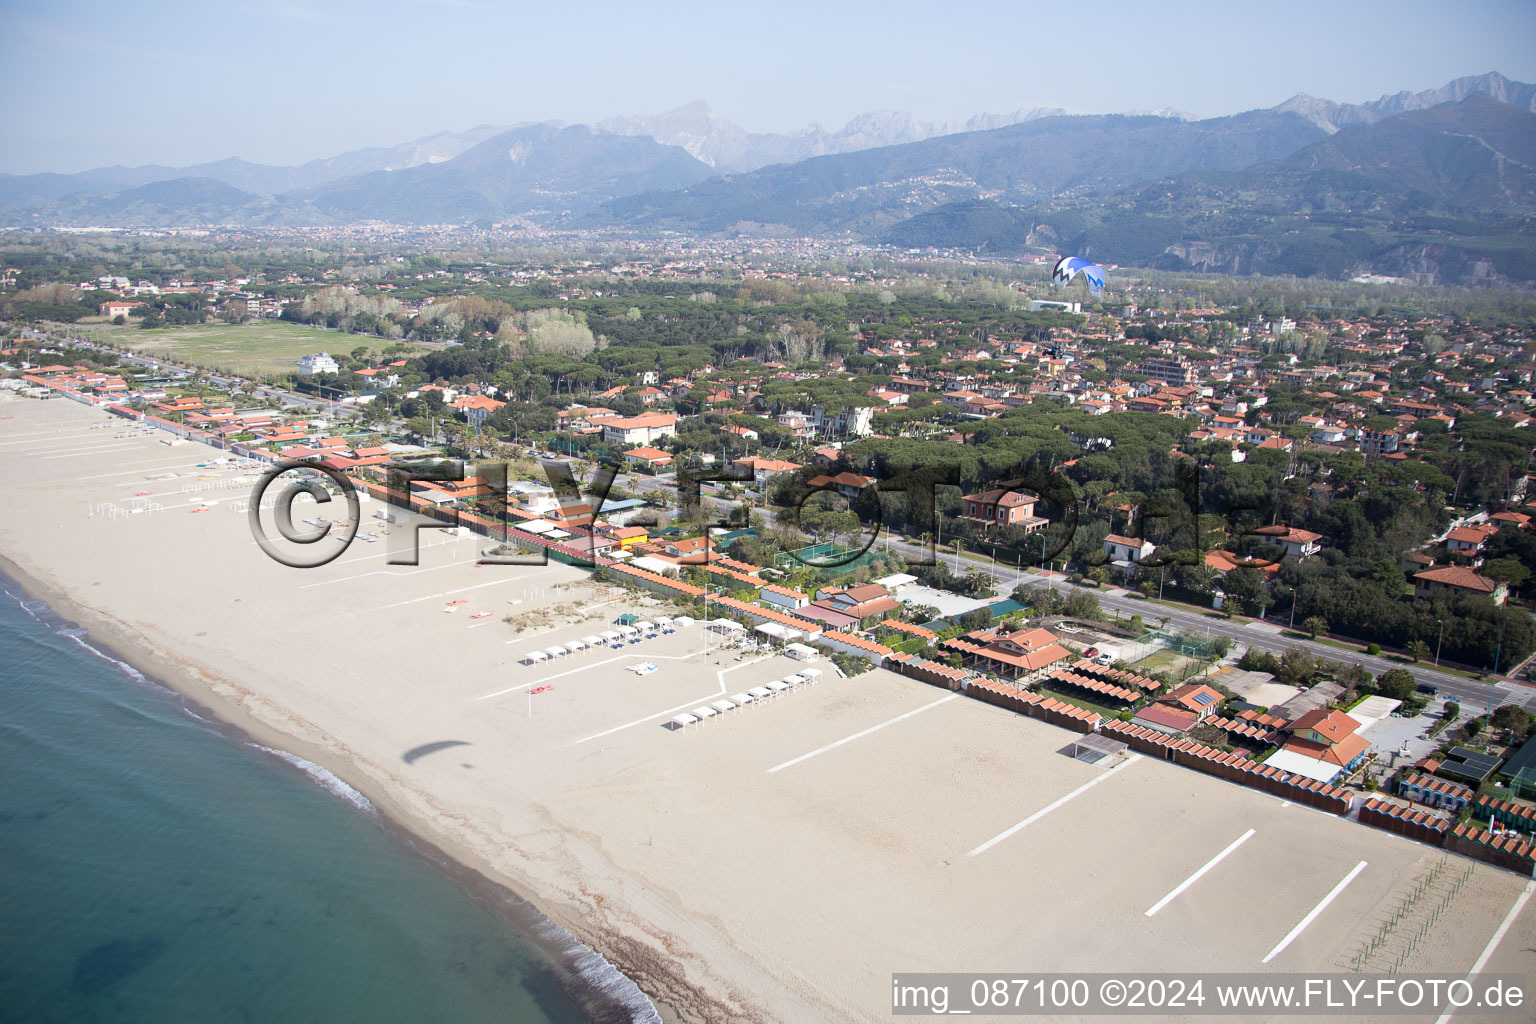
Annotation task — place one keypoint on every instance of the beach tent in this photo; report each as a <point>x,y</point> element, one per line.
<point>796,679</point>
<point>535,657</point>
<point>556,651</point>
<point>663,620</point>
<point>628,630</point>
<point>722,705</point>
<point>705,712</point>
<point>760,692</point>
<point>778,686</point>
<point>811,674</point>
<point>800,652</point>
<point>743,699</point>
<point>592,641</point>
<point>683,721</point>
<point>683,620</point>
<point>778,631</point>
<point>576,645</point>
<point>610,635</point>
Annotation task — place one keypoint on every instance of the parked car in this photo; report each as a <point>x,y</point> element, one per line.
<point>1104,659</point>
<point>1092,652</point>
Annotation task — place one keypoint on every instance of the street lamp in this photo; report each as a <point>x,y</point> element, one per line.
<point>1042,560</point>
<point>1439,642</point>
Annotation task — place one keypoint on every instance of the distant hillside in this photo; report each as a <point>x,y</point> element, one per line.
<point>176,203</point>
<point>260,179</point>
<point>538,171</point>
<point>871,190</point>
<point>1446,195</point>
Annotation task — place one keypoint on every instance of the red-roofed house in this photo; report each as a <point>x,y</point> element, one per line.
<point>1469,540</point>
<point>1003,506</point>
<point>1327,736</point>
<point>1126,549</point>
<point>652,458</point>
<point>1457,579</point>
<point>1024,655</point>
<point>847,484</point>
<point>1298,544</point>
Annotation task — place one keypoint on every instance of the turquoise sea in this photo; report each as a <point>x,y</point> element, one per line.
<point>156,866</point>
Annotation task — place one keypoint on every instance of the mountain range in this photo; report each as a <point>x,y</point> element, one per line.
<point>715,141</point>
<point>1436,183</point>
<point>706,136</point>
<point>1331,116</point>
<point>1444,195</point>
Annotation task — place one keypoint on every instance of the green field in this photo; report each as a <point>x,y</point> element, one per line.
<point>253,348</point>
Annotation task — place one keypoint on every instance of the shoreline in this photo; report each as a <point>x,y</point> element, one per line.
<point>111,640</point>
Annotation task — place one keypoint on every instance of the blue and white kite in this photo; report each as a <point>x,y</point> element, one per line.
<point>1069,267</point>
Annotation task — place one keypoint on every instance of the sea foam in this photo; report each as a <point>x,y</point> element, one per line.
<point>323,776</point>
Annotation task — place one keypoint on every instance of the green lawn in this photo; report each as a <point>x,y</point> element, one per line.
<point>1157,661</point>
<point>254,348</point>
<point>1072,698</point>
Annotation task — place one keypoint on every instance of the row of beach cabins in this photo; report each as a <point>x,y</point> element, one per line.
<point>616,638</point>
<point>756,695</point>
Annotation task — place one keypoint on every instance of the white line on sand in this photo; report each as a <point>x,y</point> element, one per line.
<point>447,593</point>
<point>89,451</point>
<point>861,735</point>
<point>596,664</point>
<point>720,675</point>
<point>1498,936</point>
<point>1192,879</point>
<point>1042,812</point>
<point>1312,914</point>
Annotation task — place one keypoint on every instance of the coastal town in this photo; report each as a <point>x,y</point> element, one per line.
<point>1287,553</point>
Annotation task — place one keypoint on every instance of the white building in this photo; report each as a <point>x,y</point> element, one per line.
<point>849,420</point>
<point>1126,549</point>
<point>322,363</point>
<point>644,429</point>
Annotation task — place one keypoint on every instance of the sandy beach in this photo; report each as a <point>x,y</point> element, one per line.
<point>776,864</point>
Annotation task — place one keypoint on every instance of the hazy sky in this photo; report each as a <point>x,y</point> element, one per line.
<point>284,81</point>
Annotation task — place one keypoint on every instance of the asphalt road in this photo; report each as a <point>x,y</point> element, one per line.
<point>1263,635</point>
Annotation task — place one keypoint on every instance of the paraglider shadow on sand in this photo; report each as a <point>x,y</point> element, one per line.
<point>416,753</point>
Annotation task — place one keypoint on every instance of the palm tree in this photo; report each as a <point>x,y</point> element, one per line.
<point>977,581</point>
<point>1418,650</point>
